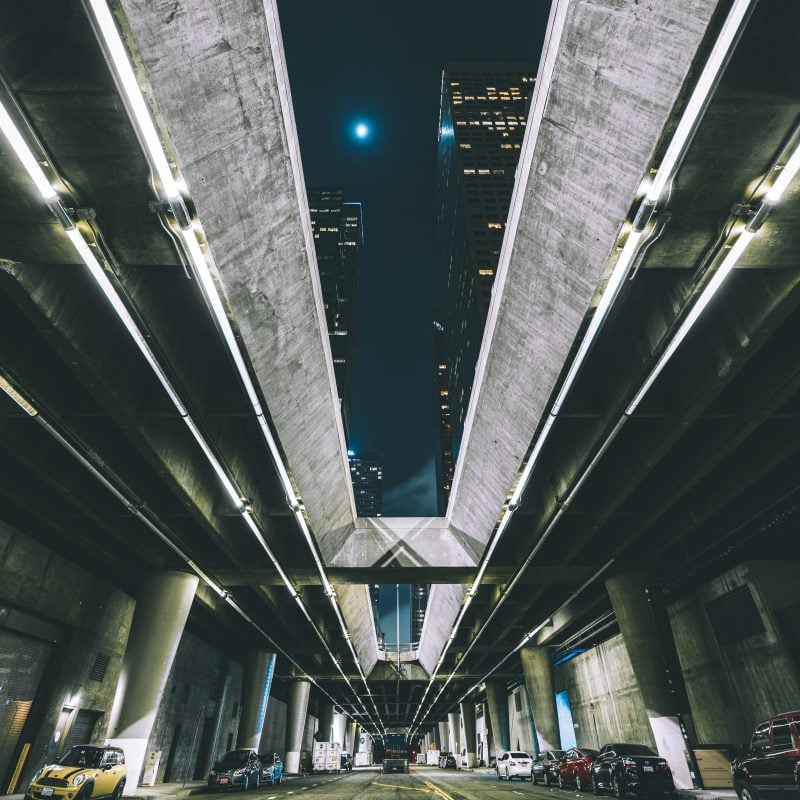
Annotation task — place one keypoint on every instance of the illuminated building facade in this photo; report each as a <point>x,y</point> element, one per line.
<point>481,127</point>
<point>366,473</point>
<point>444,445</point>
<point>338,238</point>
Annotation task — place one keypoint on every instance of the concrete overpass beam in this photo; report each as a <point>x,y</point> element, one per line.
<point>259,667</point>
<point>538,670</point>
<point>497,706</point>
<point>296,711</point>
<point>648,639</point>
<point>470,741</point>
<point>158,622</point>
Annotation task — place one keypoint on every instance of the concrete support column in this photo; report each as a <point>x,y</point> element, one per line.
<point>339,724</point>
<point>350,737</point>
<point>296,711</point>
<point>444,736</point>
<point>646,636</point>
<point>454,722</point>
<point>537,668</point>
<point>470,740</point>
<point>158,621</point>
<point>325,727</point>
<point>259,667</point>
<point>497,706</point>
<point>357,739</point>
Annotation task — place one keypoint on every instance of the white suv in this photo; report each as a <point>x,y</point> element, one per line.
<point>514,764</point>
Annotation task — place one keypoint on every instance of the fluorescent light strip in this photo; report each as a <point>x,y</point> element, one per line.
<point>702,90</point>
<point>117,54</point>
<point>25,154</point>
<point>17,397</point>
<point>745,237</point>
<point>785,177</point>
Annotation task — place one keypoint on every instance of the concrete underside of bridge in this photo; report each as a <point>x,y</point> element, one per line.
<point>703,486</point>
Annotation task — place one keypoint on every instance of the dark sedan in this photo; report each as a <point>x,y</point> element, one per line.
<point>238,769</point>
<point>622,768</point>
<point>545,767</point>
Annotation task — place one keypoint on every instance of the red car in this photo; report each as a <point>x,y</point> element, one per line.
<point>574,768</point>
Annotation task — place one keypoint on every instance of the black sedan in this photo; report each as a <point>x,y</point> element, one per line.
<point>239,769</point>
<point>545,767</point>
<point>622,768</point>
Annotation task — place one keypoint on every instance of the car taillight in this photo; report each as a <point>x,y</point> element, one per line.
<point>628,763</point>
<point>664,767</point>
<point>512,763</point>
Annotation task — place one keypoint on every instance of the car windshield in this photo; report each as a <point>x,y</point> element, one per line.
<point>82,757</point>
<point>557,753</point>
<point>633,750</point>
<point>519,755</point>
<point>234,758</point>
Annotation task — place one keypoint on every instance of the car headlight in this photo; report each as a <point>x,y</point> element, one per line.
<point>238,773</point>
<point>78,779</point>
<point>37,775</point>
<point>213,773</point>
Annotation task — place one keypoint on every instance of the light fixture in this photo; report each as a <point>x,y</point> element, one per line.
<point>24,154</point>
<point>17,397</point>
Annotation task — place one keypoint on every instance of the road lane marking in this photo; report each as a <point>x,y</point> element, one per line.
<point>398,786</point>
<point>516,792</point>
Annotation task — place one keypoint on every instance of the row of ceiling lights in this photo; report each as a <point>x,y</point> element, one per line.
<point>652,193</point>
<point>111,42</point>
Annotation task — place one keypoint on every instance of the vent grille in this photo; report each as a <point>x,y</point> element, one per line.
<point>98,670</point>
<point>734,616</point>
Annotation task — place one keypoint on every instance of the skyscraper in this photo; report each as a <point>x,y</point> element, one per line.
<point>443,450</point>
<point>481,127</point>
<point>338,238</point>
<point>366,473</point>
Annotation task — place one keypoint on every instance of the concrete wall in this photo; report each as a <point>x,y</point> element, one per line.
<point>204,688</point>
<point>603,676</point>
<point>520,721</point>
<point>733,685</point>
<point>93,618</point>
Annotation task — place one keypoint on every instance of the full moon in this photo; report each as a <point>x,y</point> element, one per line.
<point>362,130</point>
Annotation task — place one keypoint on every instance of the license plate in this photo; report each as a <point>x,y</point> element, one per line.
<point>648,769</point>
<point>223,780</point>
<point>47,791</point>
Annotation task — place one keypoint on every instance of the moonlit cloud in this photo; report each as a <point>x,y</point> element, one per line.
<point>415,496</point>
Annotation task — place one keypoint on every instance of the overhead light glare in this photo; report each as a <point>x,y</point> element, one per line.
<point>129,85</point>
<point>787,173</point>
<point>25,154</point>
<point>17,397</point>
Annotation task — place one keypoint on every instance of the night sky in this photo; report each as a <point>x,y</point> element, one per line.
<point>365,61</point>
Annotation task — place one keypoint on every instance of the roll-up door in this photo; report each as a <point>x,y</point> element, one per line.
<point>22,663</point>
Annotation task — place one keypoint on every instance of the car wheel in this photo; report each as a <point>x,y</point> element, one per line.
<point>117,793</point>
<point>534,779</point>
<point>86,792</point>
<point>546,778</point>
<point>617,787</point>
<point>280,778</point>
<point>258,779</point>
<point>595,787</point>
<point>245,783</point>
<point>746,792</point>
<point>561,784</point>
<point>578,782</point>
<point>498,775</point>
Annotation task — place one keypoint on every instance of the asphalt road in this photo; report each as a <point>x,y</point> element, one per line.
<point>437,784</point>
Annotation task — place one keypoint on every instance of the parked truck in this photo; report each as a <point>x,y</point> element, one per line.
<point>326,757</point>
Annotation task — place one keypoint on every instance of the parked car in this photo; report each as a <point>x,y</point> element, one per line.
<point>770,764</point>
<point>622,768</point>
<point>447,760</point>
<point>239,769</point>
<point>575,768</point>
<point>514,764</point>
<point>545,767</point>
<point>83,772</point>
<point>271,768</point>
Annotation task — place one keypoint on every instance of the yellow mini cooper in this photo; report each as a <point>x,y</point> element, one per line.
<point>82,773</point>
